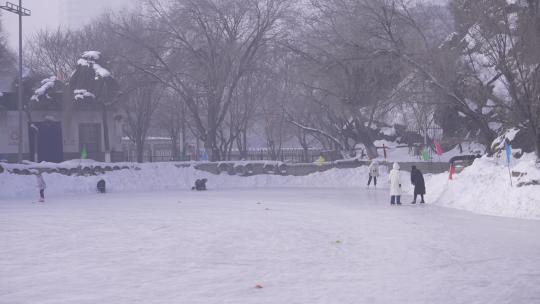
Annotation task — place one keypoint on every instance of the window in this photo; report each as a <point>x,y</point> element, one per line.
<point>90,137</point>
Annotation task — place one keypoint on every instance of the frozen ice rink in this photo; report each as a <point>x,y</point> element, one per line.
<point>300,245</point>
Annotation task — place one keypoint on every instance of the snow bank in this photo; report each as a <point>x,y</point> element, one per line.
<point>166,176</point>
<point>400,153</point>
<point>481,188</point>
<point>484,187</point>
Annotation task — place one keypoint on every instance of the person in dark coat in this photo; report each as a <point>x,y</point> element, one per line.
<point>417,179</point>
<point>200,185</point>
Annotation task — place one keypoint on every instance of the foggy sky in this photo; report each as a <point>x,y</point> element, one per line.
<point>46,13</point>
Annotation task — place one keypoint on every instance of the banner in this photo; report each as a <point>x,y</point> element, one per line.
<point>425,155</point>
<point>84,153</point>
<point>508,158</point>
<point>508,152</point>
<point>438,149</point>
<point>452,172</point>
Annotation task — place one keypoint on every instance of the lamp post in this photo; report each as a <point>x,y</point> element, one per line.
<point>21,11</point>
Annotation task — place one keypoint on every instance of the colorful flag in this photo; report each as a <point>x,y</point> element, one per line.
<point>438,148</point>
<point>508,158</point>
<point>204,156</point>
<point>84,153</point>
<point>508,152</point>
<point>425,155</point>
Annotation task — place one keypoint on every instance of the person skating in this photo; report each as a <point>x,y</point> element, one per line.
<point>41,186</point>
<point>417,179</point>
<point>373,173</point>
<point>395,185</point>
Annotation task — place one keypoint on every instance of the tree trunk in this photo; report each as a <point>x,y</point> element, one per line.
<point>211,147</point>
<point>537,146</point>
<point>371,150</point>
<point>303,143</point>
<point>107,148</point>
<point>174,148</point>
<point>183,132</point>
<point>139,147</point>
<point>241,144</point>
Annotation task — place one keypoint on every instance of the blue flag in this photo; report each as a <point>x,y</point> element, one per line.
<point>204,156</point>
<point>508,152</point>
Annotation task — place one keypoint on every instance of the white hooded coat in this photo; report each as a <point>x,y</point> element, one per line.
<point>40,182</point>
<point>395,180</point>
<point>374,169</point>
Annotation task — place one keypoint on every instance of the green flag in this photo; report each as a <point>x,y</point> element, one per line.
<point>84,154</point>
<point>425,155</point>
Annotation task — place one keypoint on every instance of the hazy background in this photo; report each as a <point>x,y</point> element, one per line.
<point>53,13</point>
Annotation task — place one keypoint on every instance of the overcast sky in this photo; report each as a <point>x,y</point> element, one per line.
<point>46,13</point>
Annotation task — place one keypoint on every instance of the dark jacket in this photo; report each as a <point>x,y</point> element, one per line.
<point>418,181</point>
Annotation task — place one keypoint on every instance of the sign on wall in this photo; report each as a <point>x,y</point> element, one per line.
<point>13,138</point>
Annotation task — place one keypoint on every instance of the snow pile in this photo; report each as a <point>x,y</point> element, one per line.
<point>485,188</point>
<point>166,176</point>
<point>482,188</point>
<point>396,152</point>
<point>46,84</point>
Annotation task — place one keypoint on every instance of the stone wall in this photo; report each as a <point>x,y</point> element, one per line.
<point>232,168</point>
<point>246,169</point>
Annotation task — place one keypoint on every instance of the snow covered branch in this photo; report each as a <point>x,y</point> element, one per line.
<point>46,84</point>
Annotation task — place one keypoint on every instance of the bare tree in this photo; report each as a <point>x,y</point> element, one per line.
<point>503,42</point>
<point>54,52</point>
<point>209,46</point>
<point>345,74</point>
<point>172,117</point>
<point>141,100</point>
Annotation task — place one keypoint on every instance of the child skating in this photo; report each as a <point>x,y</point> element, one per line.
<point>373,173</point>
<point>41,186</point>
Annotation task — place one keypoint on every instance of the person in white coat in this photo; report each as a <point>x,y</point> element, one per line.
<point>373,173</point>
<point>395,185</point>
<point>41,186</point>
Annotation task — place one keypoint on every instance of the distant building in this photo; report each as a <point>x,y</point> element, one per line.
<point>64,128</point>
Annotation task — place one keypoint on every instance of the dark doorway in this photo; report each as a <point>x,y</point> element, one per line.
<point>49,141</point>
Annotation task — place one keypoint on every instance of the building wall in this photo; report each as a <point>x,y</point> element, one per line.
<point>9,122</point>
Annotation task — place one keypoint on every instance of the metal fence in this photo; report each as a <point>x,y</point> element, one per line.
<point>289,155</point>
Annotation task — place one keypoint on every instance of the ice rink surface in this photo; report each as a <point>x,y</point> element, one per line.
<point>300,245</point>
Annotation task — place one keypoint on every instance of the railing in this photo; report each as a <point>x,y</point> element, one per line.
<point>284,155</point>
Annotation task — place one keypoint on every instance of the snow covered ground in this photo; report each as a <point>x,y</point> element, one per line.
<point>485,188</point>
<point>301,245</point>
